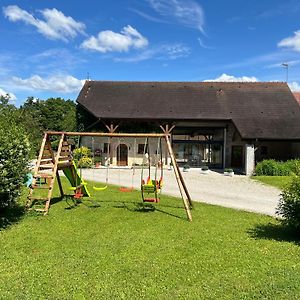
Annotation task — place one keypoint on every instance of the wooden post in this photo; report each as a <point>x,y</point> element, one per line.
<point>112,128</point>
<point>59,184</point>
<point>167,131</point>
<point>180,182</point>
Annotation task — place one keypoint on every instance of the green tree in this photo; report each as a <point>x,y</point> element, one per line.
<point>58,114</point>
<point>14,155</point>
<point>30,116</point>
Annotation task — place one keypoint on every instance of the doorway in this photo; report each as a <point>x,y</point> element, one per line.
<point>122,155</point>
<point>237,157</point>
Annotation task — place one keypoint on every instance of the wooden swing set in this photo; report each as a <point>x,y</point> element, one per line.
<point>50,162</point>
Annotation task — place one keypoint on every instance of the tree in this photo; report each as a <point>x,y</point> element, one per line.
<point>58,114</point>
<point>14,155</point>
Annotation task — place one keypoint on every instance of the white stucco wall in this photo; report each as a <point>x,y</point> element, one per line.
<point>249,159</point>
<point>132,144</point>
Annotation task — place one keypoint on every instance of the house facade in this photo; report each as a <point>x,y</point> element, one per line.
<point>217,124</point>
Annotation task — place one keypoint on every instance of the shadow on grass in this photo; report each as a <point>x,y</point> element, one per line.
<point>146,208</point>
<point>73,203</point>
<point>9,216</point>
<point>277,232</point>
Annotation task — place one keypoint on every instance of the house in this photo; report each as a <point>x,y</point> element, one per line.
<point>218,124</point>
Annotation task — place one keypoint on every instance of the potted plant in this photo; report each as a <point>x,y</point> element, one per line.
<point>204,170</point>
<point>97,162</point>
<point>186,168</point>
<point>228,172</point>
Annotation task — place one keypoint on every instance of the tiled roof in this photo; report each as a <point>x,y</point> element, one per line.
<point>259,110</point>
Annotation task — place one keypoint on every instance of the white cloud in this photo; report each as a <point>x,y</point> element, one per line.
<point>110,41</point>
<point>163,52</point>
<point>4,93</point>
<point>55,26</point>
<point>229,78</point>
<point>59,83</point>
<point>186,12</point>
<point>294,86</point>
<point>292,42</point>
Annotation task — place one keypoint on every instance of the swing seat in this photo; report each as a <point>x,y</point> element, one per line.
<point>100,188</point>
<point>149,188</point>
<point>151,200</point>
<point>125,189</point>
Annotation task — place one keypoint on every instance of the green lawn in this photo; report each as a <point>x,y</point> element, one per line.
<point>116,249</point>
<point>278,181</point>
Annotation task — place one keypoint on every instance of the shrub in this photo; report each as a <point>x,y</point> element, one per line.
<point>271,167</point>
<point>294,166</point>
<point>81,152</point>
<point>82,157</point>
<point>14,157</point>
<point>85,162</point>
<point>289,204</point>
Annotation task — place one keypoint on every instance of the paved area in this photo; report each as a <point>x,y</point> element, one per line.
<point>239,192</point>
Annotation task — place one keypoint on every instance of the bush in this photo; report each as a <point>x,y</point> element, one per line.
<point>85,162</point>
<point>14,157</point>
<point>272,167</point>
<point>81,152</point>
<point>289,204</point>
<point>82,157</point>
<point>294,166</point>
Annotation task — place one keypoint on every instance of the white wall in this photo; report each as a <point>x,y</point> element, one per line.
<point>249,159</point>
<point>132,145</point>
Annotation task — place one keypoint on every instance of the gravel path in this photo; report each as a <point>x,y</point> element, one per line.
<point>239,192</point>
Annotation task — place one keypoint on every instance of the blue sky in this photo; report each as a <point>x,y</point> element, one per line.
<point>48,48</point>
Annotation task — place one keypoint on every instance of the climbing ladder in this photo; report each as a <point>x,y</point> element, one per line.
<point>47,166</point>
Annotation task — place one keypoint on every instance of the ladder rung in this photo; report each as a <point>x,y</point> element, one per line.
<point>40,209</point>
<point>42,187</point>
<point>46,160</point>
<point>38,198</point>
<point>43,176</point>
<point>46,167</point>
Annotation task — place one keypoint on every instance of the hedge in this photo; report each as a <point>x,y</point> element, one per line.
<point>272,167</point>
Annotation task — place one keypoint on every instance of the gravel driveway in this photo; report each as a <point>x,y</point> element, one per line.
<point>239,192</point>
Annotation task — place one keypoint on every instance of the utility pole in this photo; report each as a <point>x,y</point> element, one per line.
<point>286,66</point>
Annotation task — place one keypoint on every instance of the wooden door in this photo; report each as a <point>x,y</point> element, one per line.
<point>122,155</point>
<point>237,156</point>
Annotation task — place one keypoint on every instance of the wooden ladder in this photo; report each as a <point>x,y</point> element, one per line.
<point>46,169</point>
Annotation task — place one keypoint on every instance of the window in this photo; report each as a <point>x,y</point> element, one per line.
<point>141,148</point>
<point>105,147</point>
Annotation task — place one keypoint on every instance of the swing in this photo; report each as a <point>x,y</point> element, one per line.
<point>152,186</point>
<point>125,189</point>
<point>107,163</point>
<point>77,189</point>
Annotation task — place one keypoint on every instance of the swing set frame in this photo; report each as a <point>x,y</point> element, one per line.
<point>166,135</point>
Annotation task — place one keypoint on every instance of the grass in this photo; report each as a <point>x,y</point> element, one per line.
<point>116,248</point>
<point>277,181</point>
